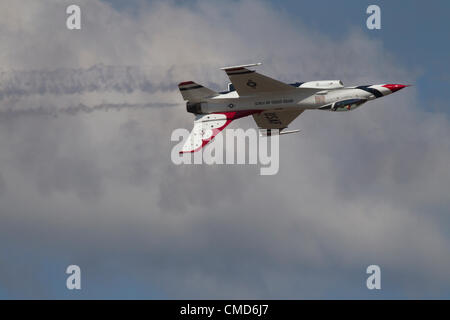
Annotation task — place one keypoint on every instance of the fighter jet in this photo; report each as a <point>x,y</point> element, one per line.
<point>272,103</point>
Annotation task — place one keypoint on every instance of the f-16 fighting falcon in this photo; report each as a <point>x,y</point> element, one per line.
<point>273,104</point>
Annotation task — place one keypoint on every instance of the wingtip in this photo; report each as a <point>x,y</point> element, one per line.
<point>242,66</point>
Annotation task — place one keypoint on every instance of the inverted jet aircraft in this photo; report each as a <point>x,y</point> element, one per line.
<point>272,103</point>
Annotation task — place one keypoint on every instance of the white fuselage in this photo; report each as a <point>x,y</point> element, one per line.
<point>325,95</point>
<point>273,104</point>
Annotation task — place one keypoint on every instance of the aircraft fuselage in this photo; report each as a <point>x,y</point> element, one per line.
<point>333,99</point>
<point>273,104</point>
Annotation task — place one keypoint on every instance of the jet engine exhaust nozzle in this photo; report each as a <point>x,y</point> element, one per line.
<point>195,108</point>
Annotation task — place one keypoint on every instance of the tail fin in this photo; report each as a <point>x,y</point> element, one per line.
<point>207,126</point>
<point>195,92</point>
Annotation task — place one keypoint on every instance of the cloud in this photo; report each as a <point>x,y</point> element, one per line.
<point>99,189</point>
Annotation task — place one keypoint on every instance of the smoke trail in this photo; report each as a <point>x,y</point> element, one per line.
<point>122,79</point>
<point>51,110</point>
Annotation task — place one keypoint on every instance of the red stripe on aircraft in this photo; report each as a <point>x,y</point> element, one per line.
<point>394,87</point>
<point>185,83</point>
<point>233,115</point>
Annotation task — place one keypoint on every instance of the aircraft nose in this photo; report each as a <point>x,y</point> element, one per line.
<point>395,87</point>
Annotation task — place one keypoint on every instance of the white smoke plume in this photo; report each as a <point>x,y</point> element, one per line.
<point>123,79</point>
<point>52,110</point>
<point>71,90</point>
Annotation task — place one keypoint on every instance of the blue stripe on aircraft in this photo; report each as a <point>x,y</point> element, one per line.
<point>373,91</point>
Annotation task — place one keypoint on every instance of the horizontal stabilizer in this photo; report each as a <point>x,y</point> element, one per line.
<point>195,92</point>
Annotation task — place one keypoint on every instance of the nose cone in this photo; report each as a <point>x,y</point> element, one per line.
<point>395,87</point>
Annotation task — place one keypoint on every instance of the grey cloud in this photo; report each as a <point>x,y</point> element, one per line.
<point>2,185</point>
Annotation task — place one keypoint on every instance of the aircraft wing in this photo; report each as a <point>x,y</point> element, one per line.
<point>276,119</point>
<point>207,126</point>
<point>249,82</point>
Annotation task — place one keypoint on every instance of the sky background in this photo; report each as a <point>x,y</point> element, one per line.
<point>86,176</point>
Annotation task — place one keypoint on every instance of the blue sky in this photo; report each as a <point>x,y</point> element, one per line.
<point>414,31</point>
